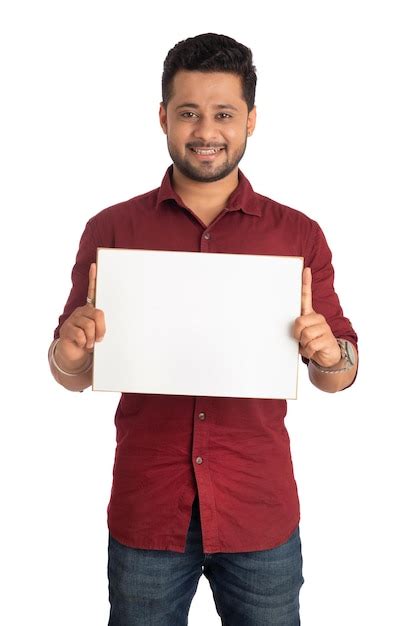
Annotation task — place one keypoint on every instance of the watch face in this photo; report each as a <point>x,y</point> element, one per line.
<point>347,352</point>
<point>350,352</point>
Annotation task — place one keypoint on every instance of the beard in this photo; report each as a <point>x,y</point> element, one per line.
<point>206,171</point>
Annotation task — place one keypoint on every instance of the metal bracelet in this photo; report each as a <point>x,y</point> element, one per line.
<point>55,364</point>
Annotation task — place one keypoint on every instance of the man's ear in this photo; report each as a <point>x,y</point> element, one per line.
<point>163,117</point>
<point>251,120</point>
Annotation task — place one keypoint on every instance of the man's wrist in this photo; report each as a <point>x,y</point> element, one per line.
<point>76,368</point>
<point>346,362</point>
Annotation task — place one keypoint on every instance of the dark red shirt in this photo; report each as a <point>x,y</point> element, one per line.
<point>233,452</point>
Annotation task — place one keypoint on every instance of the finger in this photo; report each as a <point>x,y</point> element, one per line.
<point>93,325</point>
<point>312,347</point>
<point>307,321</point>
<point>307,291</point>
<point>82,331</point>
<point>310,333</point>
<point>75,335</point>
<point>88,326</point>
<point>100,324</point>
<point>91,291</point>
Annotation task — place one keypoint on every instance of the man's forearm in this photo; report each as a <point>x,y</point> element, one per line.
<point>332,382</point>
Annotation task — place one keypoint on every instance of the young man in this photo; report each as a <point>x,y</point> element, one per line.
<point>205,484</point>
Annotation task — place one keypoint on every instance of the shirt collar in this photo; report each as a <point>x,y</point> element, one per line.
<point>243,196</point>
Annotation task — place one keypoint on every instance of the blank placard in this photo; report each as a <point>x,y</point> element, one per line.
<point>198,324</point>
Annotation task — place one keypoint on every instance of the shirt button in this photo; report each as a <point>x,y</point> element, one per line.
<point>199,460</point>
<point>202,416</point>
<point>207,235</point>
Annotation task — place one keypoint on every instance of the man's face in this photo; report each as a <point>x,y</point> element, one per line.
<point>207,123</point>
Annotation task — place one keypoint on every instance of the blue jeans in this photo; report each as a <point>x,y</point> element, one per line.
<point>156,587</point>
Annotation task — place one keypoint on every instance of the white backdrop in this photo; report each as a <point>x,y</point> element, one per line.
<point>337,139</point>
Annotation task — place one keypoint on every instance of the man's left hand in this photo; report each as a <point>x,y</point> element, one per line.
<point>311,329</point>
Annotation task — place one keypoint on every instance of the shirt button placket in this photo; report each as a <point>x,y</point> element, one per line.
<point>204,246</point>
<point>201,463</point>
<point>200,434</point>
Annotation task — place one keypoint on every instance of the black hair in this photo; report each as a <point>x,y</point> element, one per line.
<point>211,53</point>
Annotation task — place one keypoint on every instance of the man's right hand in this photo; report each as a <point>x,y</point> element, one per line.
<point>81,329</point>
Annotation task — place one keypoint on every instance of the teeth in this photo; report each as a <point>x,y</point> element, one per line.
<point>204,152</point>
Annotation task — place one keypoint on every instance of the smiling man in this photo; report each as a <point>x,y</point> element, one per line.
<point>205,485</point>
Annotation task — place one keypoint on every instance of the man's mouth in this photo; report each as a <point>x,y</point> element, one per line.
<point>206,151</point>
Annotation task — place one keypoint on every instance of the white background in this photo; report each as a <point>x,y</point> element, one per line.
<point>337,139</point>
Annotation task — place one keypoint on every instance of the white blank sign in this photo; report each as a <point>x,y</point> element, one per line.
<point>199,324</point>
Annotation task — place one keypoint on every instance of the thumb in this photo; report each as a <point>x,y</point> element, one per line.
<point>91,291</point>
<point>307,292</point>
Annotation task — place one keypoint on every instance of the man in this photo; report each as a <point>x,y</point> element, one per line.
<point>204,484</point>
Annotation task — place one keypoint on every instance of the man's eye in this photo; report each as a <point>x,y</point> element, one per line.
<point>224,116</point>
<point>188,114</point>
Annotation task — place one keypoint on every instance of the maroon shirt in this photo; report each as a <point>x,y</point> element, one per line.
<point>233,452</point>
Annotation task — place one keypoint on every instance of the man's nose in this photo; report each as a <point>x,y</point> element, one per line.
<point>206,130</point>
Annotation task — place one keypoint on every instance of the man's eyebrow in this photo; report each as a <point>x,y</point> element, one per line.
<point>226,106</point>
<point>193,105</point>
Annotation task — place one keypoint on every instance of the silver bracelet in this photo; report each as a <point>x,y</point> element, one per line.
<point>55,364</point>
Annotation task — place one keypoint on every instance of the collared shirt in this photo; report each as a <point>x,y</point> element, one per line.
<point>234,453</point>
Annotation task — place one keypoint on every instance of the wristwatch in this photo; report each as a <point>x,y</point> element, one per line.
<point>348,359</point>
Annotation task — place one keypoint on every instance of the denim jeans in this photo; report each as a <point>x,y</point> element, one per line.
<point>156,587</point>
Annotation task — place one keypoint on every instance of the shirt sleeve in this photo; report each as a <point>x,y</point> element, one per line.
<point>86,255</point>
<point>324,298</point>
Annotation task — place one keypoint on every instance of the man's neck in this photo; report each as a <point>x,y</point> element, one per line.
<point>205,198</point>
